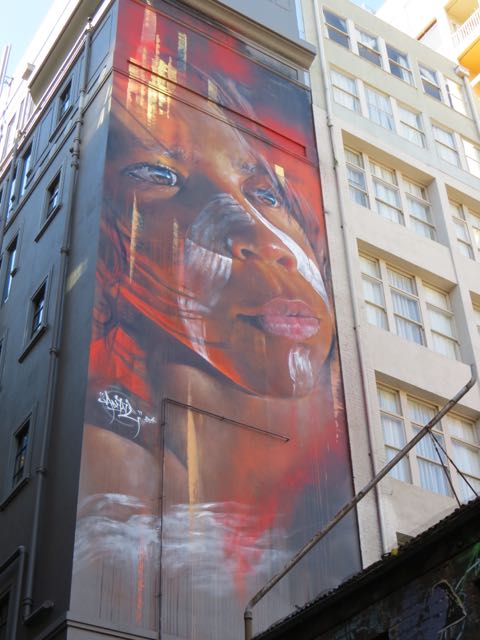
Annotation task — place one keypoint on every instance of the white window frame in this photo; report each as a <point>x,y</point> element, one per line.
<point>342,90</point>
<point>444,430</point>
<point>441,144</point>
<point>434,83</point>
<point>370,53</point>
<point>470,220</point>
<point>404,125</point>
<point>417,296</point>
<point>335,29</point>
<point>472,157</point>
<point>407,69</point>
<point>401,185</point>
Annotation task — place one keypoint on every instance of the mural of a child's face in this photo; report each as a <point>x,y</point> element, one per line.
<point>218,249</point>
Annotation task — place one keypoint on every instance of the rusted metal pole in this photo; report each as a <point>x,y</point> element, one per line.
<point>248,613</point>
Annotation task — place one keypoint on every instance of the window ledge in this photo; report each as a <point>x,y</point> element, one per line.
<point>47,221</point>
<point>14,491</point>
<point>32,342</point>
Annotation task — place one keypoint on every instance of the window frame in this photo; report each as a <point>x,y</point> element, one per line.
<point>400,185</point>
<point>20,474</point>
<point>373,54</point>
<point>336,88</point>
<point>26,171</point>
<point>441,429</point>
<point>472,231</point>
<point>397,65</point>
<point>64,101</point>
<point>32,335</point>
<point>418,295</point>
<point>335,29</point>
<point>441,144</point>
<point>11,260</point>
<point>437,93</point>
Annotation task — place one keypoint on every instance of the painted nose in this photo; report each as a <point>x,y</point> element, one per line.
<point>268,252</point>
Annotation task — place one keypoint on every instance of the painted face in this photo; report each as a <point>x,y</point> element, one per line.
<point>217,249</point>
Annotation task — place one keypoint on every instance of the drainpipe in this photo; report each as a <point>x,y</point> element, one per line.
<point>464,74</point>
<point>248,613</point>
<point>18,554</point>
<point>54,351</point>
<point>350,272</point>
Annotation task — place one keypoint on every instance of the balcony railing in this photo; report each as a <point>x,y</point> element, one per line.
<point>468,28</point>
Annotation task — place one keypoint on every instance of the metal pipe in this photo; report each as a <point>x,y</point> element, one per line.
<point>220,418</point>
<point>350,271</point>
<point>248,613</point>
<point>20,554</point>
<point>56,342</point>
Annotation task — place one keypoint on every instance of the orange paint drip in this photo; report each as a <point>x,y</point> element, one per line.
<point>140,584</point>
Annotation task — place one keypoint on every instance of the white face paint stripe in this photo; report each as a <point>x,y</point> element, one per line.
<point>306,267</point>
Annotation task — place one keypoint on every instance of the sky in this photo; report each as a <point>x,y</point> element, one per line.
<point>19,21</point>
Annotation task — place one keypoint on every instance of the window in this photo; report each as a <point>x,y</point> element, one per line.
<point>419,209</point>
<point>430,82</point>
<point>26,170</point>
<point>465,453</point>
<point>11,268</point>
<point>12,194</point>
<point>21,447</point>
<point>345,91</point>
<point>402,416</point>
<point>373,292</point>
<point>461,231</point>
<point>398,64</point>
<point>38,310</point>
<point>410,126</point>
<point>393,431</point>
<point>446,146</point>
<point>368,47</point>
<point>455,97</point>
<point>467,229</point>
<point>395,197</point>
<point>379,108</point>
<point>404,305</point>
<point>472,156</point>
<point>441,322</point>
<point>356,178</point>
<point>476,313</point>
<point>64,101</point>
<point>336,28</point>
<point>387,193</point>
<point>53,196</point>
<point>4,600</point>
<point>430,462</point>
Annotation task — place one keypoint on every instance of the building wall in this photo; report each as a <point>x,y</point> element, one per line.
<point>31,389</point>
<point>214,376</point>
<point>373,356</point>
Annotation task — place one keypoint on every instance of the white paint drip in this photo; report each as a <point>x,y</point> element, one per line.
<point>300,368</point>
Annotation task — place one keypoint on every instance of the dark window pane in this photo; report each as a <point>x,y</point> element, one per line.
<point>20,453</point>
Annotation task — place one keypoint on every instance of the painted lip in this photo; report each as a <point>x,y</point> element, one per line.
<point>291,319</point>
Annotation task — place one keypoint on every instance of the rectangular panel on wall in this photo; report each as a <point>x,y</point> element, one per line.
<point>215,441</point>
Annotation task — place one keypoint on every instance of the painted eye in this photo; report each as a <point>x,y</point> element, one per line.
<point>266,196</point>
<point>260,191</point>
<point>155,174</point>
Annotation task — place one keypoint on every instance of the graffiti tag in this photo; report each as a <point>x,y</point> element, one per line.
<point>120,410</point>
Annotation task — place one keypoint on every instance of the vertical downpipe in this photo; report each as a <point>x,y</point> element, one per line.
<point>57,326</point>
<point>350,270</point>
